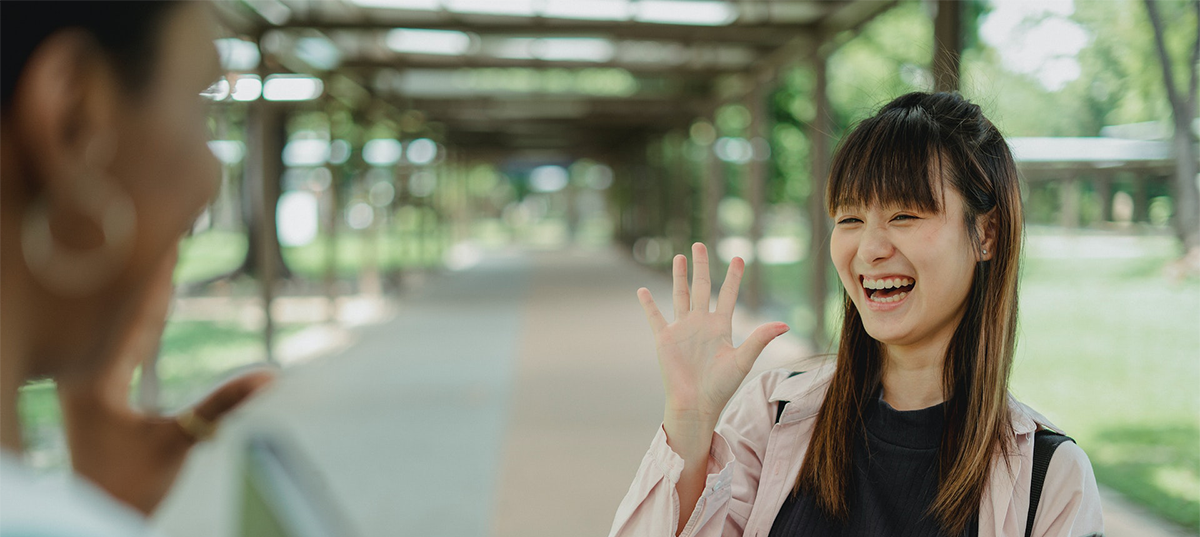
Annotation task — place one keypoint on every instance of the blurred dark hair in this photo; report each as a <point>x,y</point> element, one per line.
<point>124,30</point>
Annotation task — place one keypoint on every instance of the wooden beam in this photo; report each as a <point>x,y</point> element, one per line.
<point>686,70</point>
<point>823,38</point>
<point>772,35</point>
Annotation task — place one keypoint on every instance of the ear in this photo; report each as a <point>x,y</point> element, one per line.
<point>985,229</point>
<point>62,114</point>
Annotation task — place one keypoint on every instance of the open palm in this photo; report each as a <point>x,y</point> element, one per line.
<point>701,367</point>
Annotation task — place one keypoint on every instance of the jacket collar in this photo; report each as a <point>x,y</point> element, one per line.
<point>805,392</point>
<point>1026,420</point>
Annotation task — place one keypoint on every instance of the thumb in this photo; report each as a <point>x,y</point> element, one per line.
<point>748,352</point>
<point>232,393</point>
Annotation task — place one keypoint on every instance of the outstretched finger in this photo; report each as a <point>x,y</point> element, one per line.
<point>680,293</point>
<point>729,290</point>
<point>232,394</point>
<point>701,280</point>
<point>750,349</point>
<point>655,317</point>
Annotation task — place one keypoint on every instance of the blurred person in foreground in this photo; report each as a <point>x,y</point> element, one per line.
<point>912,431</point>
<point>104,165</point>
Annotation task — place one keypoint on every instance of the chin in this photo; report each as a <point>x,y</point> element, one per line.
<point>891,335</point>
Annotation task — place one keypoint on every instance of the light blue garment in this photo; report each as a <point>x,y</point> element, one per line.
<point>33,505</point>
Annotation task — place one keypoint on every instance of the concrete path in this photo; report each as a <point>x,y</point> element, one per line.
<point>513,399</point>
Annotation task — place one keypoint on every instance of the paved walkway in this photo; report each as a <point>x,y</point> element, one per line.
<point>513,399</point>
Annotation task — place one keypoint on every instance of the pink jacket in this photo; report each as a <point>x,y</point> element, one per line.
<point>754,463</point>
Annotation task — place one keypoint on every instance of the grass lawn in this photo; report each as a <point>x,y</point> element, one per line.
<point>195,357</point>
<point>355,249</point>
<point>1108,349</point>
<point>213,253</point>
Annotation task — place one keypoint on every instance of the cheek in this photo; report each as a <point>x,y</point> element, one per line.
<point>176,175</point>
<point>948,276</point>
<point>841,252</point>
<point>170,174</point>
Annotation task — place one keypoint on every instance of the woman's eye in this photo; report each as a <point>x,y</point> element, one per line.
<point>907,216</point>
<point>849,221</point>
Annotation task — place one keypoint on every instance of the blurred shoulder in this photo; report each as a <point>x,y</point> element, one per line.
<point>49,506</point>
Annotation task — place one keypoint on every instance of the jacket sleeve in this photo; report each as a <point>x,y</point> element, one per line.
<point>1070,501</point>
<point>651,507</point>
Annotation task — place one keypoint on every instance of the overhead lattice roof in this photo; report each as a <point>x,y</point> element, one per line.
<point>546,74</point>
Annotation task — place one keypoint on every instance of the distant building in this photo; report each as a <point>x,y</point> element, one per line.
<point>1133,159</point>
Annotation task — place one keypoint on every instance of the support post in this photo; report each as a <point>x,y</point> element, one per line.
<point>756,179</point>
<point>332,210</point>
<point>1069,202</point>
<point>265,131</point>
<point>714,190</point>
<point>947,45</point>
<point>1104,197</point>
<point>1141,198</point>
<point>819,133</point>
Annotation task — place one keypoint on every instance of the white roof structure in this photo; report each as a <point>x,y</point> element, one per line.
<point>1095,152</point>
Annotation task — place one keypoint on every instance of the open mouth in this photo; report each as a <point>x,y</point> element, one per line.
<point>888,290</point>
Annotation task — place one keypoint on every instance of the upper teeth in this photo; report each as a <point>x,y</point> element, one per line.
<point>886,284</point>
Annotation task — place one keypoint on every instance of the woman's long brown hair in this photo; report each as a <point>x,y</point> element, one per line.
<point>903,156</point>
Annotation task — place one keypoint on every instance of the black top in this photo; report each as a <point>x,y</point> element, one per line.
<point>894,482</point>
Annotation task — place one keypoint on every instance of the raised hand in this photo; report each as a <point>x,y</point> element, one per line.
<point>701,368</point>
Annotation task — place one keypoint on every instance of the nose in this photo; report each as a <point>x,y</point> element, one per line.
<point>874,245</point>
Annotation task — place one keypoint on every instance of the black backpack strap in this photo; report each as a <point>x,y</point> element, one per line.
<point>779,409</point>
<point>1045,442</point>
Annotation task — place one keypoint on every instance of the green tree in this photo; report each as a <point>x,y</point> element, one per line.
<point>1183,112</point>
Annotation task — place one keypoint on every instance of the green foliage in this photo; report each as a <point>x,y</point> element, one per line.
<point>1121,79</point>
<point>792,109</point>
<point>209,254</point>
<point>888,59</point>
<point>732,119</point>
<point>401,248</point>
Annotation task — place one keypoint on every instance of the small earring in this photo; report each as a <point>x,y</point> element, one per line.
<point>985,251</point>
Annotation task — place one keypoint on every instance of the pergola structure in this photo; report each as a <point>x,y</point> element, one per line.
<point>595,78</point>
<point>1102,161</point>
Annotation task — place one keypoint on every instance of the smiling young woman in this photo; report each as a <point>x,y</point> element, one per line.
<point>912,430</point>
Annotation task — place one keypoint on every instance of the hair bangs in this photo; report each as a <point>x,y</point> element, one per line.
<point>892,159</point>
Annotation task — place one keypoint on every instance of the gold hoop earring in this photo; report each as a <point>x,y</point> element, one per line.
<point>74,273</point>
